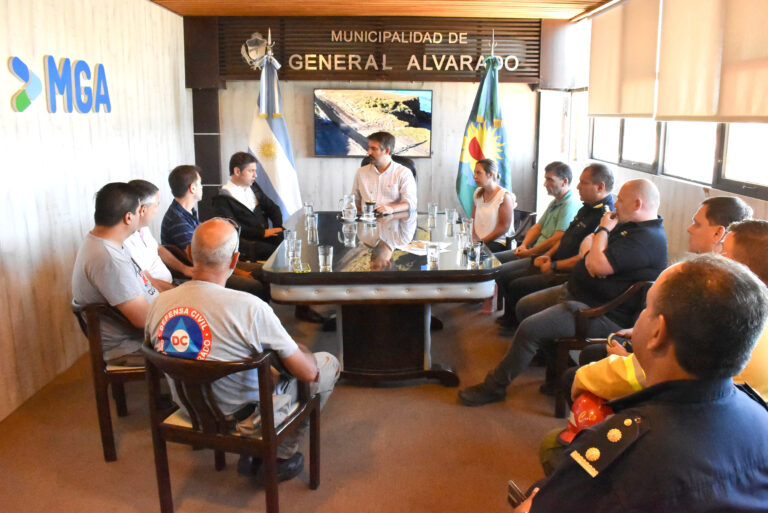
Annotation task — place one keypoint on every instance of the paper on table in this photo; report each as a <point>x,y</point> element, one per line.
<point>419,247</point>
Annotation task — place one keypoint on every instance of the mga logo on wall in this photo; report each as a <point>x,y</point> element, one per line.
<point>70,82</point>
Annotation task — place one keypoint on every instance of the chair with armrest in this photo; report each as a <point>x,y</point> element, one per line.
<point>105,376</point>
<point>579,340</point>
<point>207,427</point>
<point>523,222</point>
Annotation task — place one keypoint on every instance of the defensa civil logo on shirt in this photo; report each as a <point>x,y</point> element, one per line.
<point>185,333</point>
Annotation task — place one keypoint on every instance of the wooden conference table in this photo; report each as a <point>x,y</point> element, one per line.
<point>384,295</point>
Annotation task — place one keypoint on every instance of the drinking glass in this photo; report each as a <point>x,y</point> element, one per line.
<point>309,208</point>
<point>294,256</point>
<point>313,238</point>
<point>432,209</point>
<point>474,250</point>
<point>368,207</point>
<point>451,216</point>
<point>433,255</point>
<point>325,258</point>
<point>468,223</point>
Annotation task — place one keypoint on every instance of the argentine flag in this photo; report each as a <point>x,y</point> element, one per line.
<point>484,138</point>
<point>270,144</point>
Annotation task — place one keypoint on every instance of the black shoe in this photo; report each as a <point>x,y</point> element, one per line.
<point>478,395</point>
<point>286,469</point>
<point>548,388</point>
<point>248,466</point>
<point>329,324</point>
<point>305,313</point>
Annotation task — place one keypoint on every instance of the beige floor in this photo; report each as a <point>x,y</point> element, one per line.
<point>411,449</point>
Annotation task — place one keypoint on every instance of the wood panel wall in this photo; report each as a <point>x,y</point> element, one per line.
<point>53,164</point>
<point>324,180</point>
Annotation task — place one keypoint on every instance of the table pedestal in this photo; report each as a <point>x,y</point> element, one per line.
<point>382,343</point>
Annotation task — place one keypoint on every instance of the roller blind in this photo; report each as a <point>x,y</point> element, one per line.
<point>623,60</point>
<point>713,60</point>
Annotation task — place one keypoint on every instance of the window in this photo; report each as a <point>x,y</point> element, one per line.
<point>605,139</point>
<point>690,150</point>
<point>638,143</point>
<point>744,159</point>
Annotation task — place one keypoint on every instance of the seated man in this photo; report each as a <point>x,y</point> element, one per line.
<point>144,249</point>
<point>243,200</point>
<point>105,273</point>
<point>705,235</point>
<point>543,235</point>
<point>389,184</point>
<point>711,220</point>
<point>181,219</point>
<point>702,319</point>
<point>553,267</point>
<point>629,246</point>
<point>747,243</point>
<point>238,324</point>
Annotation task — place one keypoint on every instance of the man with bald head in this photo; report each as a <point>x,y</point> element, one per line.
<point>629,245</point>
<point>203,320</point>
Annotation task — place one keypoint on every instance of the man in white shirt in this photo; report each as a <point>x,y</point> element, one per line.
<point>389,184</point>
<point>144,249</point>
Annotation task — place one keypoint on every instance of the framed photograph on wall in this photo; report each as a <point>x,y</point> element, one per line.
<point>345,117</point>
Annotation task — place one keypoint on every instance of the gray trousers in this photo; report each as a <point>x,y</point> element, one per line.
<point>546,315</point>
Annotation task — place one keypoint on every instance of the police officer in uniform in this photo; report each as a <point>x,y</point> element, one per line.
<point>691,441</point>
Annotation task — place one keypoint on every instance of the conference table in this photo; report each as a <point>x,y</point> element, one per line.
<point>383,289</point>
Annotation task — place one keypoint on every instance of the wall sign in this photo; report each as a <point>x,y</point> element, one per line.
<point>73,82</point>
<point>387,48</point>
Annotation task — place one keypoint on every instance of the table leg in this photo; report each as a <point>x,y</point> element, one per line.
<point>389,342</point>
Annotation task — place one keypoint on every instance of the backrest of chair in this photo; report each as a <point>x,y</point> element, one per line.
<point>403,161</point>
<point>524,221</point>
<point>89,318</point>
<point>192,380</point>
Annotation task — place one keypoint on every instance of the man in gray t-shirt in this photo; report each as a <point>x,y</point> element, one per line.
<point>105,273</point>
<point>203,320</point>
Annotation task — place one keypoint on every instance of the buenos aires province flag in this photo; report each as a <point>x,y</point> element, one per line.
<point>484,138</point>
<point>269,143</point>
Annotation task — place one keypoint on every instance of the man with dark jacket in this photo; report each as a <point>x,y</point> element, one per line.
<point>243,200</point>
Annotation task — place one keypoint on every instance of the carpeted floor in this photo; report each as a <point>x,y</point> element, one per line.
<point>395,449</point>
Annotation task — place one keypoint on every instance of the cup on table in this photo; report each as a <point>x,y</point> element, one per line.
<point>474,251</point>
<point>325,258</point>
<point>432,209</point>
<point>467,227</point>
<point>451,216</point>
<point>294,255</point>
<point>309,208</point>
<point>311,221</point>
<point>368,207</point>
<point>313,238</point>
<point>433,255</point>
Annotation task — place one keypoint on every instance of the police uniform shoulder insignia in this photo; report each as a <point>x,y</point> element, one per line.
<point>602,445</point>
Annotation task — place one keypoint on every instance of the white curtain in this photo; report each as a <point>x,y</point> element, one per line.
<point>623,60</point>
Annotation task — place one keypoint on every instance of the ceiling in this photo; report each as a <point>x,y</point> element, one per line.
<point>557,9</point>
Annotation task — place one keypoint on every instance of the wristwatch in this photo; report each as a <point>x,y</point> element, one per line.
<point>602,229</point>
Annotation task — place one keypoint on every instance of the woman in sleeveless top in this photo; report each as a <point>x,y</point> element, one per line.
<point>493,207</point>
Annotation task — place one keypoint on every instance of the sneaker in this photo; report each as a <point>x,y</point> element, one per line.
<point>479,395</point>
<point>286,469</point>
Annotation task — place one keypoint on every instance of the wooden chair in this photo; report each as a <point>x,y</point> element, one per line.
<point>210,428</point>
<point>578,341</point>
<point>105,376</point>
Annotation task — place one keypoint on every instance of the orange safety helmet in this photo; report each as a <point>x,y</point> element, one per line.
<point>587,410</point>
